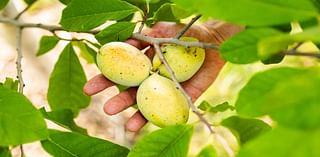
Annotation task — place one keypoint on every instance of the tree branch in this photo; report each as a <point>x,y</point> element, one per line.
<point>187,27</point>
<point>305,54</point>
<point>153,40</point>
<point>51,28</point>
<point>19,67</point>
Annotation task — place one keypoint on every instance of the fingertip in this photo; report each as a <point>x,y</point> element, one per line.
<point>136,122</point>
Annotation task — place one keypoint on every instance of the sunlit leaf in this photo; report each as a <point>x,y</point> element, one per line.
<point>64,118</point>
<point>290,96</point>
<point>119,31</point>
<point>283,142</point>
<point>20,121</point>
<point>167,142</point>
<point>46,44</point>
<point>253,12</point>
<point>71,144</point>
<point>242,48</point>
<point>66,82</point>
<point>246,129</point>
<point>84,15</point>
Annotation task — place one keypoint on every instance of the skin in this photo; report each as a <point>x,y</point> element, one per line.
<point>212,31</point>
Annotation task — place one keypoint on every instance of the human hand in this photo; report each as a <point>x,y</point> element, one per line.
<point>213,32</point>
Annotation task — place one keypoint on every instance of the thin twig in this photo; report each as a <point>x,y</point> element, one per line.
<point>144,19</point>
<point>179,87</point>
<point>153,40</point>
<point>50,28</point>
<point>305,54</point>
<point>19,67</point>
<point>23,11</point>
<point>187,27</point>
<point>19,59</point>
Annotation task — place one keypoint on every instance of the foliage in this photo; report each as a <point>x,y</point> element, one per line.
<point>288,95</point>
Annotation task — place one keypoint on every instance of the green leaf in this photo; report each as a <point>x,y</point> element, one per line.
<point>254,12</point>
<point>10,84</point>
<point>170,12</point>
<point>29,2</point>
<point>290,96</point>
<point>5,152</point>
<point>65,2</point>
<point>46,44</point>
<point>208,151</point>
<point>153,5</point>
<point>119,31</point>
<point>71,144</point>
<point>20,121</point>
<point>270,46</point>
<point>205,106</point>
<point>167,142</point>
<point>86,52</point>
<point>242,47</point>
<point>283,142</point>
<point>66,83</point>
<point>3,3</point>
<point>84,15</point>
<point>246,129</point>
<point>63,118</point>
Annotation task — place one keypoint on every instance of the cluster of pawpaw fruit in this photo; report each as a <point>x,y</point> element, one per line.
<point>158,99</point>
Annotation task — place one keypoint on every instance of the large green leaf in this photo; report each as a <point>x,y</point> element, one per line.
<point>20,121</point>
<point>119,31</point>
<point>167,142</point>
<point>283,143</point>
<point>276,44</point>
<point>84,15</point>
<point>5,152</point>
<point>170,12</point>
<point>254,12</point>
<point>46,44</point>
<point>66,83</point>
<point>290,96</point>
<point>243,47</point>
<point>70,144</point>
<point>208,151</point>
<point>64,118</point>
<point>3,3</point>
<point>246,129</point>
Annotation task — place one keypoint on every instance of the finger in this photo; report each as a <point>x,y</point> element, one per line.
<point>96,84</point>
<point>136,122</point>
<point>120,102</point>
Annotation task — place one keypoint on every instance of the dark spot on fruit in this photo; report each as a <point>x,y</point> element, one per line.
<point>146,98</point>
<point>120,73</point>
<point>177,87</point>
<point>195,55</point>
<point>164,52</point>
<point>155,88</point>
